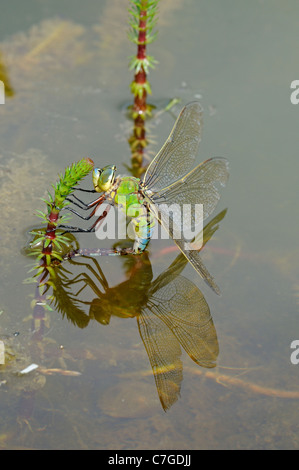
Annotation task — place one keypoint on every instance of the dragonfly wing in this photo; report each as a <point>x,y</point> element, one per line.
<point>179,264</point>
<point>176,314</point>
<point>164,354</point>
<point>179,151</point>
<point>197,187</point>
<point>184,310</point>
<point>186,248</point>
<point>197,263</point>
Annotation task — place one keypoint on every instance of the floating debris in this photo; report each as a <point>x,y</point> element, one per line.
<point>227,380</point>
<point>69,373</point>
<point>29,369</point>
<point>2,353</point>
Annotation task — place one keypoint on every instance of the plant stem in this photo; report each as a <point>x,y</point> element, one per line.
<point>142,23</point>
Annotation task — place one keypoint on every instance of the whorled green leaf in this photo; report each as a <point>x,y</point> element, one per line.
<point>45,249</point>
<point>149,11</point>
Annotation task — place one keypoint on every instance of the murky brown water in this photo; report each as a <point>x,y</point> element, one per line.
<point>69,83</point>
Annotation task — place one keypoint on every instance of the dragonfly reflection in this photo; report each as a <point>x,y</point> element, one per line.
<point>171,314</point>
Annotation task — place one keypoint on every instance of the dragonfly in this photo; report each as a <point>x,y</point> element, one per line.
<point>168,181</point>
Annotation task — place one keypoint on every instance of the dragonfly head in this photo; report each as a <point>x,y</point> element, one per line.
<point>103,178</point>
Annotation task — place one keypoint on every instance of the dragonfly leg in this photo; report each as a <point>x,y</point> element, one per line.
<point>96,271</point>
<point>83,205</point>
<point>81,216</point>
<point>83,277</point>
<point>71,229</point>
<point>95,203</point>
<point>85,190</point>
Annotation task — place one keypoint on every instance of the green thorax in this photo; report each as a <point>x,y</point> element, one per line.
<point>125,192</point>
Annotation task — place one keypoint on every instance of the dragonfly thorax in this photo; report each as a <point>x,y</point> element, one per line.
<point>126,192</point>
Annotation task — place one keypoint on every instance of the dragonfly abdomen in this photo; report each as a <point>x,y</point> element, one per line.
<point>127,196</point>
<point>143,226</point>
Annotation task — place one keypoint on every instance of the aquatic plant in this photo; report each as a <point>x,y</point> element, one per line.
<point>49,245</point>
<point>142,23</point>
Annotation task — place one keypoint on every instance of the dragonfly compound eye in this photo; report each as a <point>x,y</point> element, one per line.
<point>103,178</point>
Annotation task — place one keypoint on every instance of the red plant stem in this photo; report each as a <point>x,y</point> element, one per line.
<point>51,230</point>
<point>141,51</point>
<point>140,77</point>
<point>139,107</point>
<point>51,227</point>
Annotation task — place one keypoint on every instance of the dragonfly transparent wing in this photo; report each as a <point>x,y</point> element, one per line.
<point>186,248</point>
<point>164,352</point>
<point>177,155</point>
<point>177,266</point>
<point>197,187</point>
<point>188,316</point>
<point>176,314</point>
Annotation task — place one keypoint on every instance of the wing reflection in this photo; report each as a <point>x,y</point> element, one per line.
<point>176,315</point>
<point>171,313</point>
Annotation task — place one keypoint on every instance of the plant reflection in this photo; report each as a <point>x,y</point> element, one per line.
<point>4,78</point>
<point>171,312</point>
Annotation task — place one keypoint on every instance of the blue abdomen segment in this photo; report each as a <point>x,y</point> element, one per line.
<point>141,227</point>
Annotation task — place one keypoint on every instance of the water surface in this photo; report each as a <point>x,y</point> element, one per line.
<point>69,79</point>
